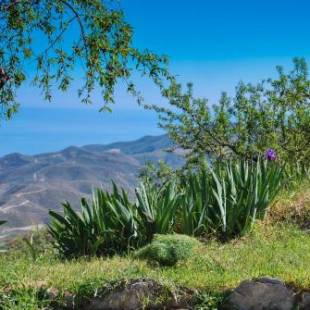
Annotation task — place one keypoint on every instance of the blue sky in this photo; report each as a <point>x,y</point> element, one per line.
<point>217,43</point>
<point>222,30</point>
<point>213,44</point>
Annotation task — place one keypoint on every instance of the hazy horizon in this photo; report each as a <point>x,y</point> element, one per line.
<point>37,130</point>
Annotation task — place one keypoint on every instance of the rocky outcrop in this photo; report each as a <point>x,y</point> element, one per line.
<point>265,293</point>
<point>304,301</point>
<point>135,295</point>
<point>258,294</point>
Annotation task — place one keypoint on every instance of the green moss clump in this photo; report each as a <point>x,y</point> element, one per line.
<point>167,250</point>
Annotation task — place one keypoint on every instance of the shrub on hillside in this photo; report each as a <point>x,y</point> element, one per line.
<point>156,208</point>
<point>272,113</point>
<point>106,225</point>
<point>242,194</point>
<point>224,201</point>
<point>227,199</point>
<point>167,250</point>
<point>111,224</point>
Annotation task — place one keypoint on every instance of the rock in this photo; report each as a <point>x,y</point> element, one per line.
<point>260,294</point>
<point>136,294</point>
<point>304,301</point>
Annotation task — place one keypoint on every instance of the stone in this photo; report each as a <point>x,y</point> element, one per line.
<point>260,294</point>
<point>304,301</point>
<point>136,294</point>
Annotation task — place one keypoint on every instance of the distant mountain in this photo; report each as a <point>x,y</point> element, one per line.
<point>31,185</point>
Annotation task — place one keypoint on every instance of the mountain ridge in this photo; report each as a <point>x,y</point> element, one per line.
<point>31,185</point>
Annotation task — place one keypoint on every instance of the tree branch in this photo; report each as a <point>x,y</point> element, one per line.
<point>80,24</point>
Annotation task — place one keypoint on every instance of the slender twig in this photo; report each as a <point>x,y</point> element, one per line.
<point>59,35</point>
<point>80,24</point>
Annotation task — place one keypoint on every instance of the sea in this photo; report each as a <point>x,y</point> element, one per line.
<point>35,130</point>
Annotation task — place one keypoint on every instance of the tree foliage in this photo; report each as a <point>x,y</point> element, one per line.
<point>274,113</point>
<point>57,37</point>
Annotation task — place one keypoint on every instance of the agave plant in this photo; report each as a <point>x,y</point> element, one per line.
<point>242,193</point>
<point>156,208</point>
<point>193,209</point>
<point>105,225</point>
<point>225,200</point>
<point>296,173</point>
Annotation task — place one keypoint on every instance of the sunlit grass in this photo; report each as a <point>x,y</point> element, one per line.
<point>279,251</point>
<point>273,249</point>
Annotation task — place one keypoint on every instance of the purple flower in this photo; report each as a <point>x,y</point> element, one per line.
<point>271,154</point>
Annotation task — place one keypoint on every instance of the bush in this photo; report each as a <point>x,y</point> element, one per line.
<point>226,200</point>
<point>272,113</point>
<point>194,209</point>
<point>111,224</point>
<point>295,175</point>
<point>156,208</point>
<point>105,226</point>
<point>242,194</point>
<point>167,250</point>
<point>223,201</point>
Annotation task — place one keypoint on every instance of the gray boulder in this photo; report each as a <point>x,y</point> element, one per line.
<point>304,301</point>
<point>135,295</point>
<point>260,294</point>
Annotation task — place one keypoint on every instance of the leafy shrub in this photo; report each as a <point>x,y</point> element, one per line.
<point>111,224</point>
<point>272,113</point>
<point>105,226</point>
<point>193,210</point>
<point>224,201</point>
<point>167,250</point>
<point>296,174</point>
<point>242,193</point>
<point>208,301</point>
<point>156,208</point>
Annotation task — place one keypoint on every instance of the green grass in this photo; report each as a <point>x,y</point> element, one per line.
<point>273,248</point>
<point>167,250</point>
<point>278,251</point>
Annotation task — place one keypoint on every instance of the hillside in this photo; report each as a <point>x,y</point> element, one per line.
<point>30,185</point>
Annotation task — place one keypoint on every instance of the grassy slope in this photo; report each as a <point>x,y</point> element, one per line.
<point>278,250</point>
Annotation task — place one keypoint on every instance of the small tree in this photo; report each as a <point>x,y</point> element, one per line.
<point>157,175</point>
<point>57,35</point>
<point>272,114</point>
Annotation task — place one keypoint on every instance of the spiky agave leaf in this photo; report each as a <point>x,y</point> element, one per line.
<point>106,224</point>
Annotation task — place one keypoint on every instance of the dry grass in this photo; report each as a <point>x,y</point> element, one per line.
<point>292,207</point>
